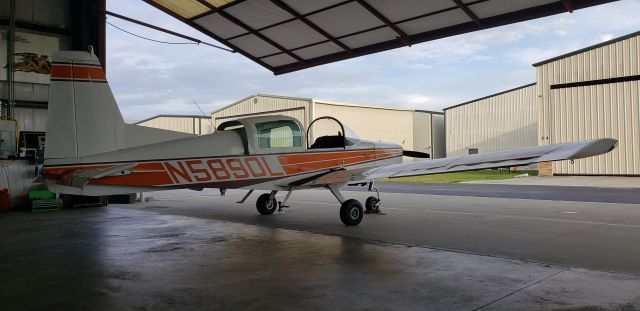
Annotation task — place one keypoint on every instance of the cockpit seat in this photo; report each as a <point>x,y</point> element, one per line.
<point>329,141</point>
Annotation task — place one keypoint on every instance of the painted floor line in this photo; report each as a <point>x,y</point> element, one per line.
<point>541,218</point>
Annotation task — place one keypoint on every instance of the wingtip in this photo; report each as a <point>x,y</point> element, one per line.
<point>596,147</point>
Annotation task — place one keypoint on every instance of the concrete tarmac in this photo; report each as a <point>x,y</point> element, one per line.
<point>518,191</point>
<point>592,235</point>
<point>188,250</point>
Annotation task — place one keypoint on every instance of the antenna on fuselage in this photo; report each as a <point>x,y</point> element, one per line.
<point>204,115</point>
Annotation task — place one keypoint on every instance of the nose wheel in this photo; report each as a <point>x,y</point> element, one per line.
<point>372,205</point>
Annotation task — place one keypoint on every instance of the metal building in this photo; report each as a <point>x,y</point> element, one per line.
<point>192,124</point>
<point>414,129</point>
<point>591,93</point>
<point>502,121</point>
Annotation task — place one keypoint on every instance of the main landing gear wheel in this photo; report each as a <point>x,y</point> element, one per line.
<point>265,205</point>
<point>351,212</point>
<point>372,205</point>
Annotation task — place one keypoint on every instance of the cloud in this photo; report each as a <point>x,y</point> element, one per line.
<point>149,78</point>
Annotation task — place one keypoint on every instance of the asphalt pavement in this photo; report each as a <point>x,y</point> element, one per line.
<point>532,192</point>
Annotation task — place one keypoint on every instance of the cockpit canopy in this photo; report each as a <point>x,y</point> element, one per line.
<point>266,134</point>
<point>329,132</point>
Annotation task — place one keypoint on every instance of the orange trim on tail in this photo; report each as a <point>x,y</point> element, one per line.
<point>77,72</point>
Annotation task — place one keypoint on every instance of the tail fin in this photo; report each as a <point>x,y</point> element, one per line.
<point>84,118</point>
<point>83,114</point>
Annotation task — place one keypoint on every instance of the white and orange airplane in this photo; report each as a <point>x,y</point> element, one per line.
<point>91,151</point>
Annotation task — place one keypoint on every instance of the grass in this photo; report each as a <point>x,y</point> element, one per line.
<point>462,176</point>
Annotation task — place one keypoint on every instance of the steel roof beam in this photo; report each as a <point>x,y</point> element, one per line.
<point>307,22</point>
<point>468,11</point>
<point>246,27</point>
<point>568,4</point>
<point>403,36</point>
<point>209,33</point>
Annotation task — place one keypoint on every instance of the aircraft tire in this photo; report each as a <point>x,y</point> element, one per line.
<point>351,212</point>
<point>370,205</point>
<point>263,206</point>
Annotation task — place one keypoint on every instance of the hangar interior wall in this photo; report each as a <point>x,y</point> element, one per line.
<point>576,101</point>
<point>500,122</point>
<point>32,119</point>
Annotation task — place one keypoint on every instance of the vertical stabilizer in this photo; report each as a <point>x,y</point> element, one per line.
<point>84,118</point>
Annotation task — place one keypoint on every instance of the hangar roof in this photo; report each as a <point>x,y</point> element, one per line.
<point>592,47</point>
<point>195,116</point>
<point>289,35</point>
<point>489,96</point>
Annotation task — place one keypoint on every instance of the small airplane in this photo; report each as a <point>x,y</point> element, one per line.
<point>91,151</point>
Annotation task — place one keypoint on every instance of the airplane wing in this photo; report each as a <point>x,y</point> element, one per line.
<point>507,158</point>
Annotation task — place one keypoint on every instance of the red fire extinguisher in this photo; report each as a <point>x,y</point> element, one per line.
<point>4,200</point>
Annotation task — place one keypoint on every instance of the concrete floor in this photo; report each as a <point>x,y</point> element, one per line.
<point>569,181</point>
<point>196,250</point>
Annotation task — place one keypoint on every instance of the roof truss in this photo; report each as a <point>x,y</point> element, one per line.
<point>290,35</point>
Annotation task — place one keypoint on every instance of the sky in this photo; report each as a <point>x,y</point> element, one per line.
<point>149,78</point>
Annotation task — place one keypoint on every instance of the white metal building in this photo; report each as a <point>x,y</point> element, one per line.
<point>502,121</point>
<point>413,129</point>
<point>586,94</point>
<point>591,93</point>
<point>192,124</point>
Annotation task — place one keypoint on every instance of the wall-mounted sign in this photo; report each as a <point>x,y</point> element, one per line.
<point>32,57</point>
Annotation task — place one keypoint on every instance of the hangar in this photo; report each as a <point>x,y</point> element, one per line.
<point>417,130</point>
<point>589,93</point>
<point>507,120</point>
<point>191,124</point>
<point>150,256</point>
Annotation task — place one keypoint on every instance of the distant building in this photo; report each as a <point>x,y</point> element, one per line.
<point>192,124</point>
<point>413,129</point>
<point>586,94</point>
<point>591,93</point>
<point>507,120</point>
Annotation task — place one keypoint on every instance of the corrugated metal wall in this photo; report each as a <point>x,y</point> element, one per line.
<point>185,124</point>
<point>422,136</point>
<point>388,125</point>
<point>438,136</point>
<point>593,111</point>
<point>31,119</point>
<point>501,122</point>
<point>265,105</point>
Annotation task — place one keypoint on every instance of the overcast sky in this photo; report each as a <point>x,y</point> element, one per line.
<point>150,78</point>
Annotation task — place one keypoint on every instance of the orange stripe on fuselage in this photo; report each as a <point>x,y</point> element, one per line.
<point>77,72</point>
<point>155,173</point>
<point>305,162</point>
